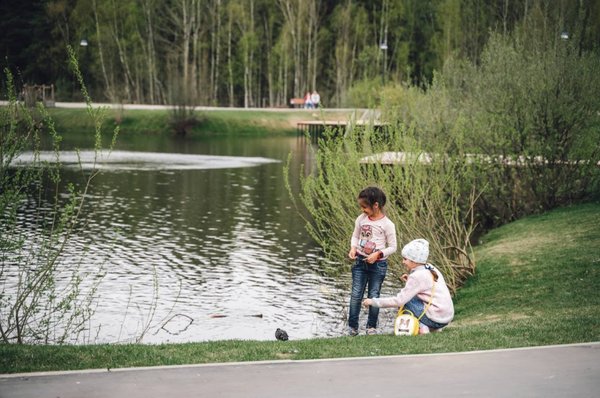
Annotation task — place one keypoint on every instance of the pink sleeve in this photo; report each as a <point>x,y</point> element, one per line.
<point>413,286</point>
<point>355,234</point>
<point>391,243</point>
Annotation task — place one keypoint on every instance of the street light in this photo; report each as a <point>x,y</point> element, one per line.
<point>383,47</point>
<point>83,43</point>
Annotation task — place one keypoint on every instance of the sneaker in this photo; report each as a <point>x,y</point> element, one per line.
<point>352,332</point>
<point>423,329</point>
<point>371,331</point>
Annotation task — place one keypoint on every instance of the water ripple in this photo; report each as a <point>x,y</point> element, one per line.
<point>132,160</point>
<point>221,246</point>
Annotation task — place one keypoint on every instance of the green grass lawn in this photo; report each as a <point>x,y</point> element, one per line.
<point>536,284</point>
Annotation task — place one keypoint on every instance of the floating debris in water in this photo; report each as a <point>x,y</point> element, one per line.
<point>187,321</point>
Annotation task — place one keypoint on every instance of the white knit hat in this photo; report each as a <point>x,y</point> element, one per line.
<point>417,251</point>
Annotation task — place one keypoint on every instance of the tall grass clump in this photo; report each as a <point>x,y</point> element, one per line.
<point>426,197</point>
<point>44,298</point>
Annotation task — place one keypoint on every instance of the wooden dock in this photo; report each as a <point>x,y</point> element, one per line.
<point>316,128</point>
<point>425,158</point>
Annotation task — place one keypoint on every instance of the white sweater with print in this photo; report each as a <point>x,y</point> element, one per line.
<point>381,232</point>
<point>420,283</point>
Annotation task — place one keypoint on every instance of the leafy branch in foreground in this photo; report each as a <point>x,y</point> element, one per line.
<point>41,293</point>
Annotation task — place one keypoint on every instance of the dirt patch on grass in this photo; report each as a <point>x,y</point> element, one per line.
<point>493,318</point>
<point>526,244</point>
<point>285,355</point>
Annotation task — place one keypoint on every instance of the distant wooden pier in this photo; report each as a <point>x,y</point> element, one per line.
<point>316,128</point>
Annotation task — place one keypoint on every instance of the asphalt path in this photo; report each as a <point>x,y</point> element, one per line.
<point>80,105</point>
<point>551,371</point>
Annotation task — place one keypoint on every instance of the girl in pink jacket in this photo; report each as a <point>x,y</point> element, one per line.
<point>422,280</point>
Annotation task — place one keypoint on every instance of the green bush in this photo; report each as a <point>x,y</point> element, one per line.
<point>529,112</point>
<point>537,102</point>
<point>425,196</point>
<point>364,93</point>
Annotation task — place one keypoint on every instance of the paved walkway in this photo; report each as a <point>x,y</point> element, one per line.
<point>553,371</point>
<point>79,105</point>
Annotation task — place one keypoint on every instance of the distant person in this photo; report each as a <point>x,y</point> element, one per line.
<point>308,104</point>
<point>417,292</point>
<point>315,99</point>
<point>372,242</point>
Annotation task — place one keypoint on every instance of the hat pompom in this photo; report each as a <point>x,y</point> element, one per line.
<point>417,251</point>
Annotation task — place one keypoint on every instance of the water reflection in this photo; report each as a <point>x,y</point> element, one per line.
<point>221,248</point>
<point>204,253</point>
<point>130,160</point>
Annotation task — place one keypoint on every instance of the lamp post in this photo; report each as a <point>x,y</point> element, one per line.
<point>383,47</point>
<point>83,44</point>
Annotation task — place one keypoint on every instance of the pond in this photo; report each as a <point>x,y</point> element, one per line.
<point>210,251</point>
<point>198,240</point>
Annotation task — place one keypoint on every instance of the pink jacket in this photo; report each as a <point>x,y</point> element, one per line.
<point>420,283</point>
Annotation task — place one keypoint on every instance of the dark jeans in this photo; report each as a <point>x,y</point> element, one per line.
<point>365,275</point>
<point>417,306</point>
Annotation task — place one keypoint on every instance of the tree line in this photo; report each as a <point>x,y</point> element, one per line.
<point>255,53</point>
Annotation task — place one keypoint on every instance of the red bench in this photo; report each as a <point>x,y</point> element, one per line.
<point>296,102</point>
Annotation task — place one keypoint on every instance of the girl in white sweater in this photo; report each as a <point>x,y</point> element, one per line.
<point>372,242</point>
<point>418,290</point>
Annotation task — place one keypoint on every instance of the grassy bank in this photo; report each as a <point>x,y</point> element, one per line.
<point>536,284</point>
<point>210,122</point>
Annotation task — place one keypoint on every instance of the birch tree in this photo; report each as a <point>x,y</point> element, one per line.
<point>215,10</point>
<point>183,33</point>
<point>245,24</point>
<point>148,43</point>
<point>351,35</point>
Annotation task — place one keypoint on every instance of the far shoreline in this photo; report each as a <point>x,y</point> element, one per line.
<point>138,119</point>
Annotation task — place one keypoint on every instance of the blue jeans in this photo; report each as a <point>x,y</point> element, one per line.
<point>417,306</point>
<point>363,275</point>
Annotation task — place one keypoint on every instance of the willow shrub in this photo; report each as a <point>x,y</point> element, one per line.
<point>426,196</point>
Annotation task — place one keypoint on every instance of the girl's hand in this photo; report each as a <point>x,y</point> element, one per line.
<point>404,278</point>
<point>373,257</point>
<point>352,253</point>
<point>367,302</point>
